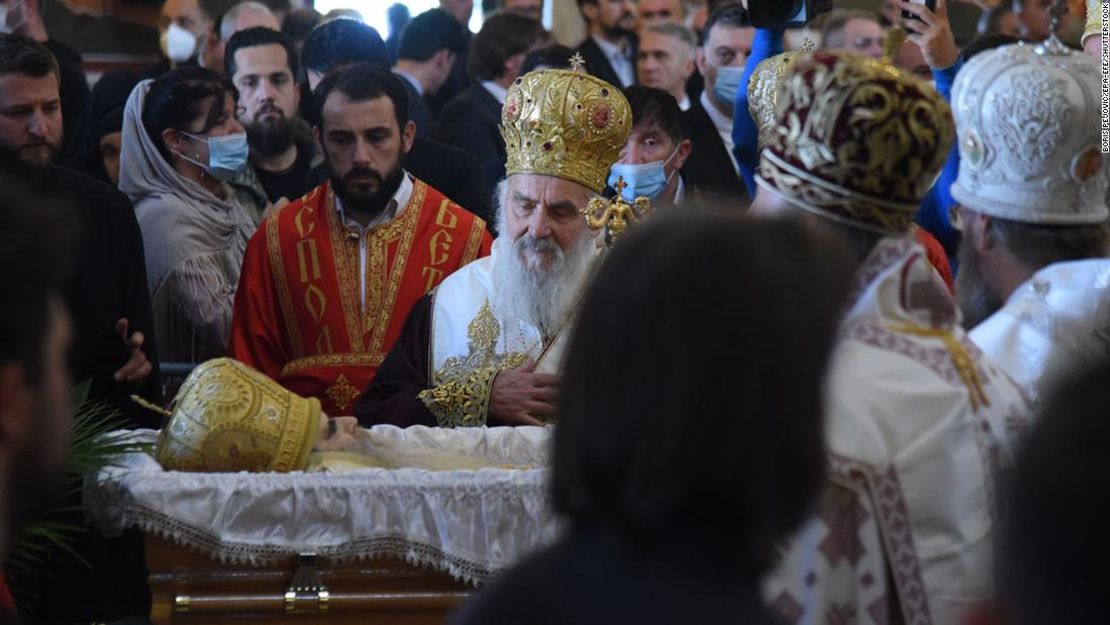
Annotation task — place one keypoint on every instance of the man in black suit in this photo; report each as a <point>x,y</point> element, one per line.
<point>430,47</point>
<point>461,10</point>
<point>472,120</point>
<point>726,43</point>
<point>339,43</point>
<point>610,45</point>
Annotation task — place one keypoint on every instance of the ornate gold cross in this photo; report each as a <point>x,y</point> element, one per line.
<point>615,215</point>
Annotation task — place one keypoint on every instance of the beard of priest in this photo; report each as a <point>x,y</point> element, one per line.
<point>329,279</point>
<point>539,268</point>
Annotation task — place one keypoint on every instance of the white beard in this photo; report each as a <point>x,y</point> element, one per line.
<point>543,298</point>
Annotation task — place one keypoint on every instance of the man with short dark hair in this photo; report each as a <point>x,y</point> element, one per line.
<point>610,45</point>
<point>530,8</point>
<point>657,148</point>
<point>726,43</point>
<point>461,10</point>
<point>113,338</point>
<point>261,63</point>
<point>471,121</point>
<point>430,46</point>
<point>336,44</point>
<point>328,279</point>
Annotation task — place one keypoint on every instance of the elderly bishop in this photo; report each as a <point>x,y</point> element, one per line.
<point>485,346</point>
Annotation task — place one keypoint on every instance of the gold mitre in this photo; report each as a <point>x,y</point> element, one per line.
<point>564,123</point>
<point>228,417</point>
<point>763,88</point>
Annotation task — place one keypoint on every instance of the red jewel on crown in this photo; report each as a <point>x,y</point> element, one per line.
<point>600,117</point>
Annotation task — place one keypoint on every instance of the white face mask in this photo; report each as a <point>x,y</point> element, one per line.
<point>178,43</point>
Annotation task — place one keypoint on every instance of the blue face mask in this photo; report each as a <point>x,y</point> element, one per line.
<point>644,180</point>
<point>227,155</point>
<point>728,83</point>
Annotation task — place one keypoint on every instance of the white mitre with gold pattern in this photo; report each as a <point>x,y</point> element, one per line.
<point>1027,119</point>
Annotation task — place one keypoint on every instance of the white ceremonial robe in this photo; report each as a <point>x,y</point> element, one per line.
<point>1055,324</point>
<point>918,424</point>
<point>474,336</point>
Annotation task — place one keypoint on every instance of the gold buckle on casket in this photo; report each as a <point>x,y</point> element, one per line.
<point>306,587</point>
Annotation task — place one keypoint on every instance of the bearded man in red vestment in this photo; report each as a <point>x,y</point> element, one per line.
<point>329,279</point>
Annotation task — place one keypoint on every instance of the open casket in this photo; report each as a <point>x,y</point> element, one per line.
<point>368,545</point>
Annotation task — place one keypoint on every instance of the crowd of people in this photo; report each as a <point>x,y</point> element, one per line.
<point>856,350</point>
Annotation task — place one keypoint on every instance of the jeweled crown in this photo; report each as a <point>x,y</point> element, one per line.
<point>564,123</point>
<point>228,417</point>
<point>856,140</point>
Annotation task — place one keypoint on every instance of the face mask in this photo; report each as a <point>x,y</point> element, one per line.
<point>227,155</point>
<point>728,83</point>
<point>644,180</point>
<point>178,43</point>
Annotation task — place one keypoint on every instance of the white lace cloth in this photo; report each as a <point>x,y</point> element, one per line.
<point>473,524</point>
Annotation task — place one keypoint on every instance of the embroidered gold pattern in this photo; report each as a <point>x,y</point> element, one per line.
<point>460,395</point>
<point>342,392</point>
<point>474,243</point>
<point>963,362</point>
<point>277,266</point>
<point>856,139</point>
<point>343,359</point>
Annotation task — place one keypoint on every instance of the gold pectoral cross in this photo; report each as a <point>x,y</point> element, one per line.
<point>615,215</point>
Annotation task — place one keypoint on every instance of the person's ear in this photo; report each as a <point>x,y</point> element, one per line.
<point>175,141</point>
<point>589,11</point>
<point>699,61</point>
<point>513,64</point>
<point>683,153</point>
<point>316,134</point>
<point>688,68</point>
<point>16,405</point>
<point>408,135</point>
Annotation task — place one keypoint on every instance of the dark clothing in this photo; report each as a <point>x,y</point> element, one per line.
<point>457,80</point>
<point>287,184</point>
<point>709,167</point>
<point>593,577</point>
<point>445,168</point>
<point>73,88</point>
<point>109,283</point>
<point>419,113</point>
<point>391,397</point>
<point>597,64</point>
<point>472,122</point>
<point>295,181</point>
<point>83,147</point>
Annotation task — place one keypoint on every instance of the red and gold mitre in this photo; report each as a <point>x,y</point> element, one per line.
<point>856,140</point>
<point>228,417</point>
<point>564,123</point>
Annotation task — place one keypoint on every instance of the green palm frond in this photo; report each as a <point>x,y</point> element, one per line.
<point>96,443</point>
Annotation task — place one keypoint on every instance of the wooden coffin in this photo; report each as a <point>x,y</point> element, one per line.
<point>190,587</point>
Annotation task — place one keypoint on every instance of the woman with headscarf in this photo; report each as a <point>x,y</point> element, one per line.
<point>181,142</point>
